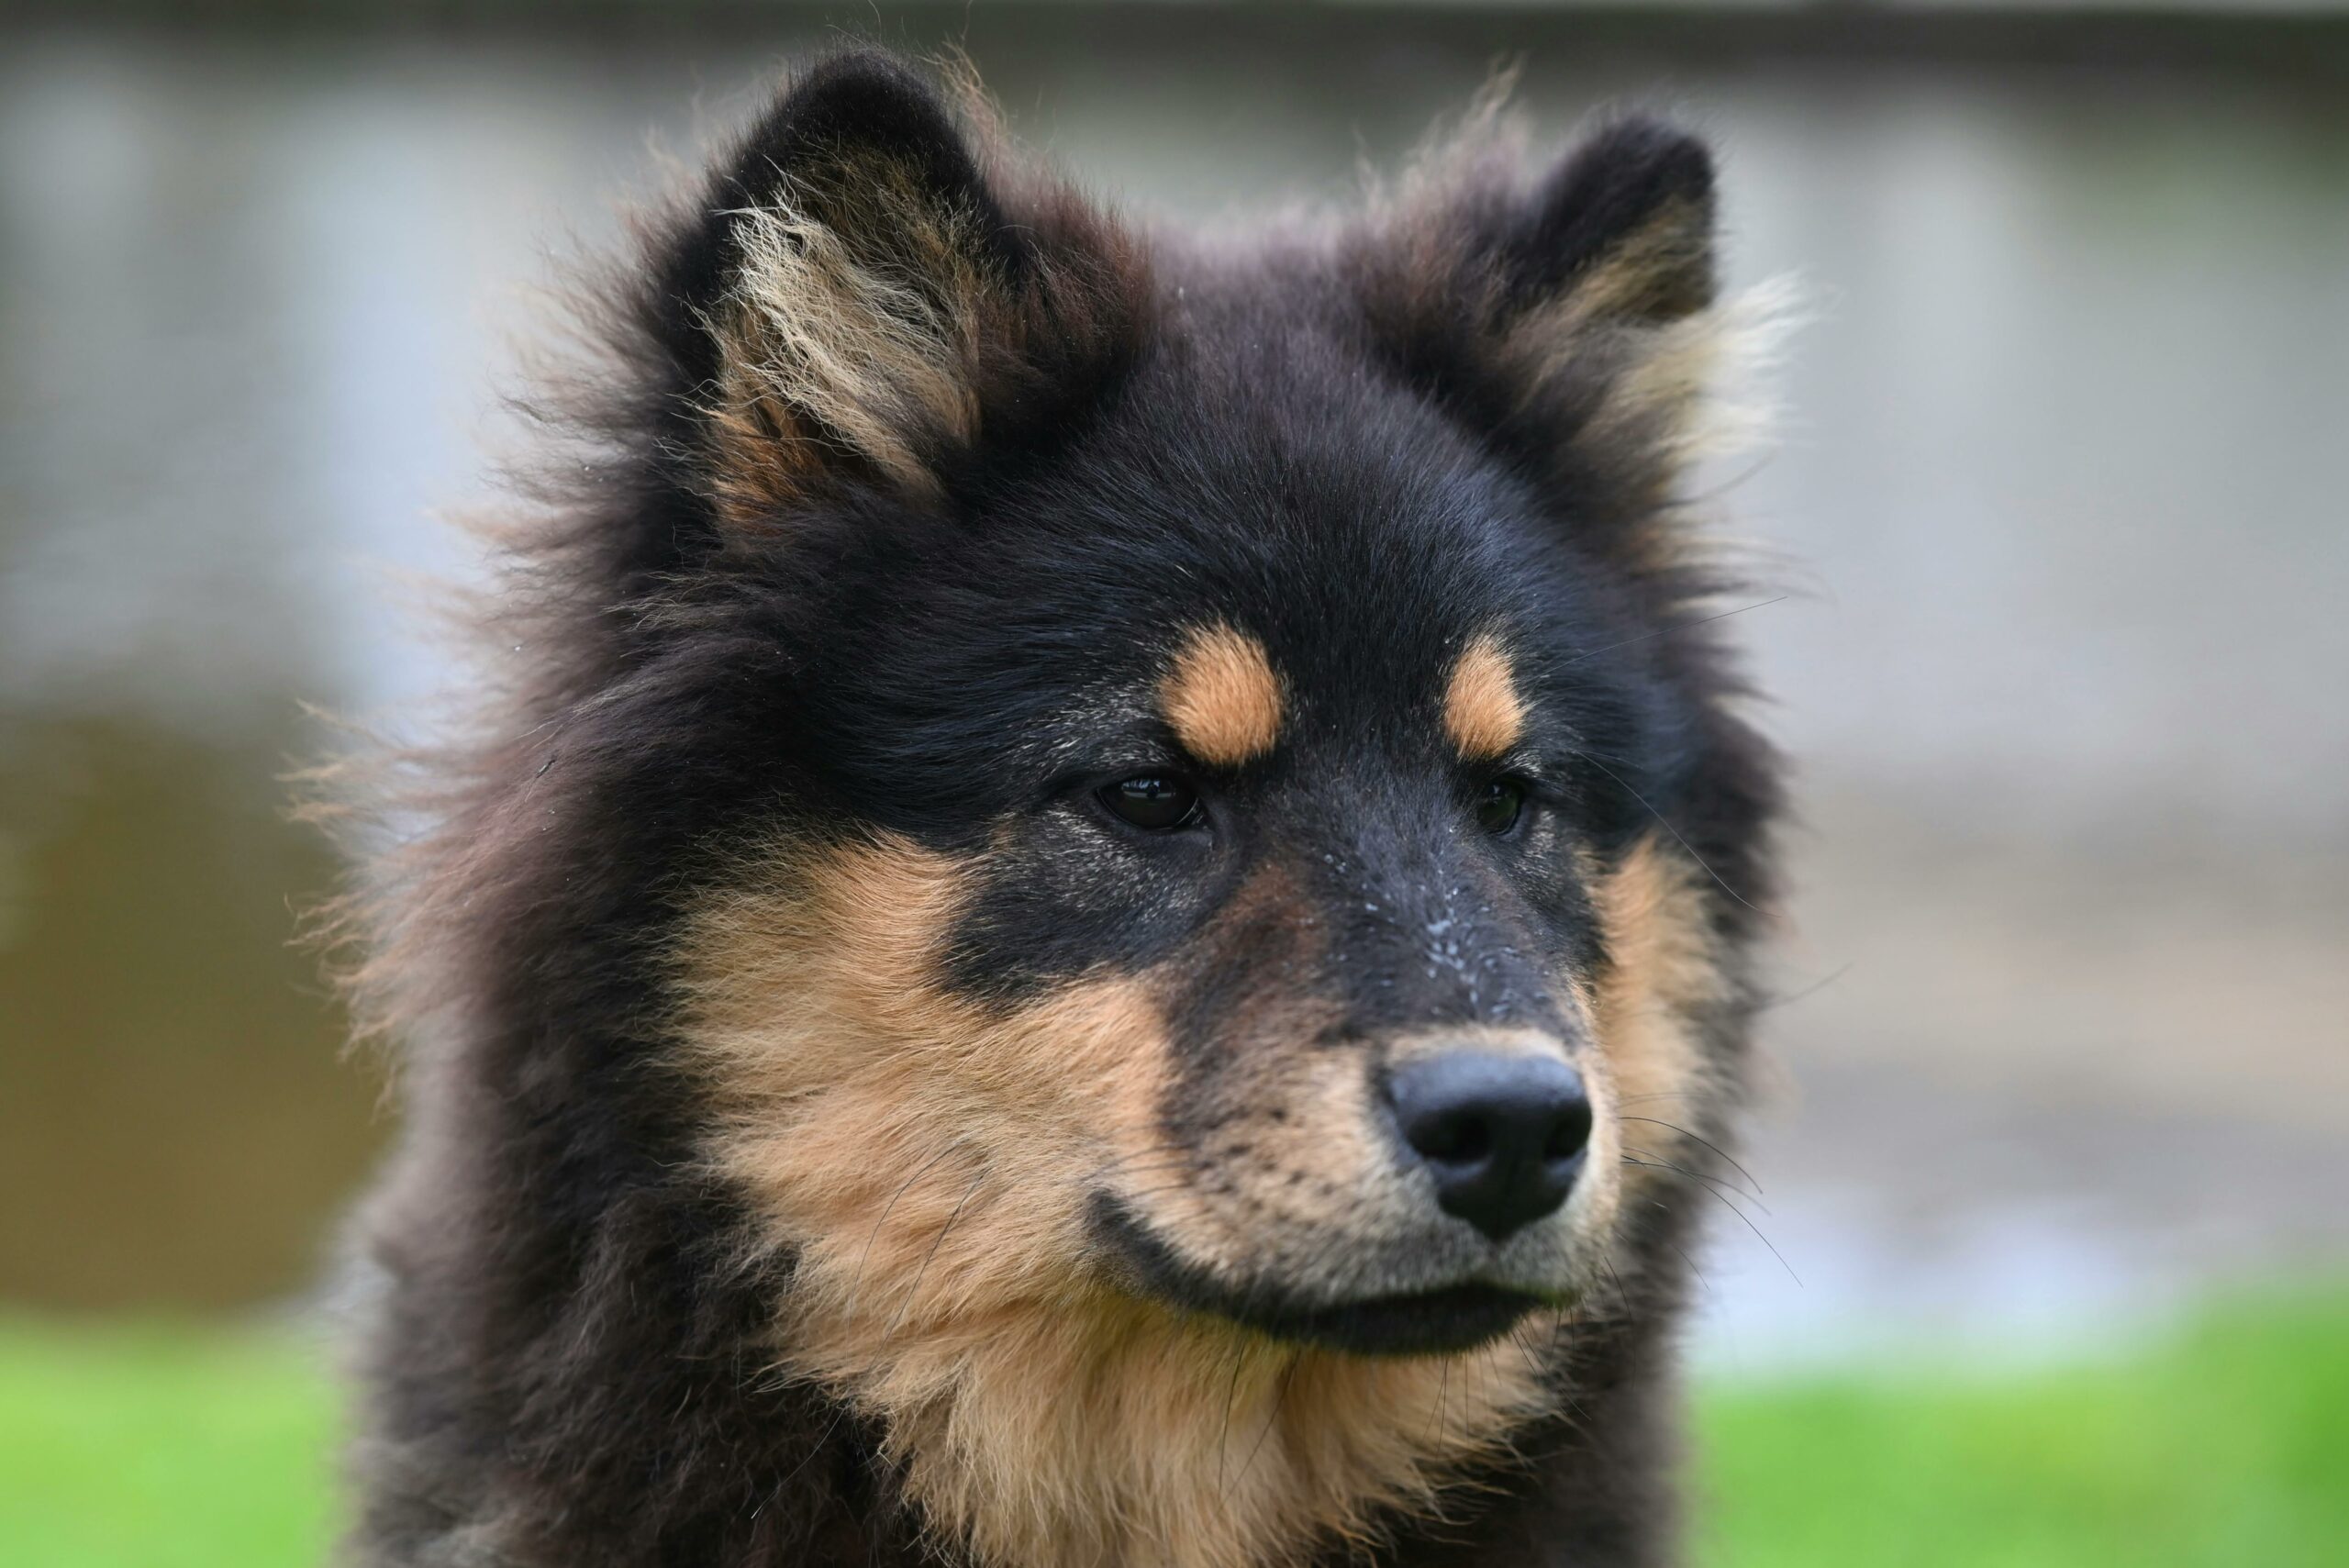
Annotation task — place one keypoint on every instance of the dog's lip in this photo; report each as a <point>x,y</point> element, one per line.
<point>1444,1319</point>
<point>1456,1318</point>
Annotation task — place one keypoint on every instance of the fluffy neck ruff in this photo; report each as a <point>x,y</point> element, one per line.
<point>1092,1430</point>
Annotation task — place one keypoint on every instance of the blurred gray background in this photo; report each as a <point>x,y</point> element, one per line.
<point>2058,517</point>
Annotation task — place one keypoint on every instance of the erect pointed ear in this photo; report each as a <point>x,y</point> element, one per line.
<point>1573,318</point>
<point>1621,231</point>
<point>871,289</point>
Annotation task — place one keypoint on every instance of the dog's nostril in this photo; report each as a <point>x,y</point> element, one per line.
<point>1502,1136</point>
<point>1570,1134</point>
<point>1451,1138</point>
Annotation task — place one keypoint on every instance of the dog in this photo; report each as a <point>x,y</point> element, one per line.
<point>1105,909</point>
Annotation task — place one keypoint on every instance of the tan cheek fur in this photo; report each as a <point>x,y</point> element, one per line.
<point>1665,970</point>
<point>928,1162</point>
<point>1482,712</point>
<point>1222,698</point>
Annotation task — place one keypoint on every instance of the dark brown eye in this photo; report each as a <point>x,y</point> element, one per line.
<point>1157,803</point>
<point>1500,805</point>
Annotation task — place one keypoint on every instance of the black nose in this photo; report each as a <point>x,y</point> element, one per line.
<point>1502,1135</point>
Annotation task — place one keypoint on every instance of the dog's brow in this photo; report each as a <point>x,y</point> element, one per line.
<point>1482,711</point>
<point>1222,697</point>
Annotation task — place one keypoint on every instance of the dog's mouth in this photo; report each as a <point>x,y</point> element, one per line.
<point>1436,1322</point>
<point>1447,1320</point>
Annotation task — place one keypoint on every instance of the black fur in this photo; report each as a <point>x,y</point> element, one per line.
<point>1310,441</point>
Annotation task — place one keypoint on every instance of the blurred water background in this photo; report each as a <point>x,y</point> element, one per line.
<point>2058,519</point>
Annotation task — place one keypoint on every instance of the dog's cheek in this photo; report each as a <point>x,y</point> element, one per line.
<point>921,1155</point>
<point>1051,905</point>
<point>1664,973</point>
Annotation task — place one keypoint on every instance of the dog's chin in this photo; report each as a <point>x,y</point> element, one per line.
<point>1439,1321</point>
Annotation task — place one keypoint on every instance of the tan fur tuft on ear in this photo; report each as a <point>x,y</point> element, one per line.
<point>874,320</point>
<point>1679,391</point>
<point>872,347</point>
<point>1628,361</point>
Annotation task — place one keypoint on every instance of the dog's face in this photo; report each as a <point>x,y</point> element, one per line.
<point>1229,771</point>
<point>1247,841</point>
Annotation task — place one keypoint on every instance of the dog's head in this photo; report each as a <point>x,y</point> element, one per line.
<point>1242,828</point>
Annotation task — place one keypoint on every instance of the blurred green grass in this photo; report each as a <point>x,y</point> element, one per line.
<point>2226,1443</point>
<point>157,1447</point>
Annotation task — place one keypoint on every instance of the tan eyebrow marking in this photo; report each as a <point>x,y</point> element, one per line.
<point>1222,697</point>
<point>1482,712</point>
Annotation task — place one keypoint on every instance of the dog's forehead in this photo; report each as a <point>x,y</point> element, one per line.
<point>1347,621</point>
<point>1343,560</point>
<point>1288,580</point>
<point>1246,639</point>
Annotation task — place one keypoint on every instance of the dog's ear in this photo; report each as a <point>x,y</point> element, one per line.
<point>1571,318</point>
<point>869,291</point>
<point>1621,231</point>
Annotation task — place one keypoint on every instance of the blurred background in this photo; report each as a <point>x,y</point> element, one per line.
<point>2046,1260</point>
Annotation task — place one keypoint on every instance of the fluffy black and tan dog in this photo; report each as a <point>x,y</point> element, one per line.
<point>1102,920</point>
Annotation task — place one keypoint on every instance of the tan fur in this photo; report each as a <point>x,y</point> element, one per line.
<point>1664,970</point>
<point>1482,712</point>
<point>927,1161</point>
<point>854,327</point>
<point>868,322</point>
<point>1681,390</point>
<point>1222,697</point>
<point>1486,1039</point>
